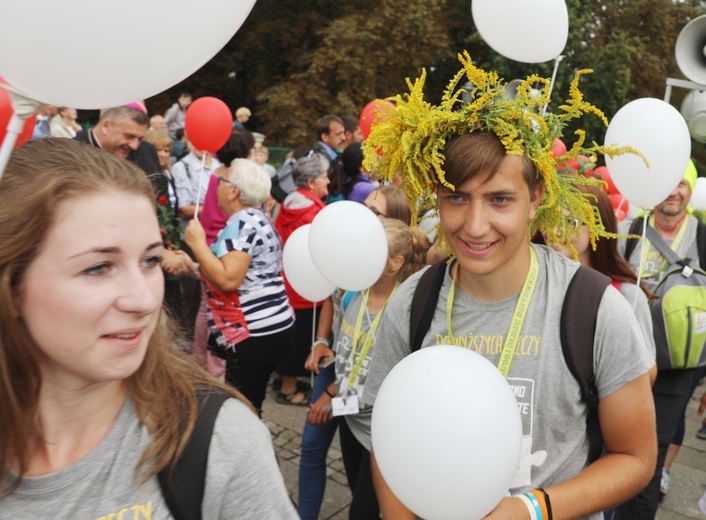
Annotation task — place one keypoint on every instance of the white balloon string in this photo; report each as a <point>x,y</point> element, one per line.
<point>643,253</point>
<point>14,127</point>
<point>557,60</point>
<point>313,338</point>
<point>198,193</point>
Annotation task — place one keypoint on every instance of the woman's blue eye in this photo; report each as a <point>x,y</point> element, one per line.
<point>97,270</point>
<point>153,261</point>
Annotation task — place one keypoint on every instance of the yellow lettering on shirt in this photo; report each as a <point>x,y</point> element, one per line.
<point>139,512</point>
<point>491,345</point>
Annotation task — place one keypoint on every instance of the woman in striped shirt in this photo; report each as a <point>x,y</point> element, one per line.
<point>249,314</point>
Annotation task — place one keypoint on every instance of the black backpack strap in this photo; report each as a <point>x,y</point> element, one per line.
<point>631,243</point>
<point>424,303</point>
<point>183,489</point>
<point>701,244</point>
<point>578,327</point>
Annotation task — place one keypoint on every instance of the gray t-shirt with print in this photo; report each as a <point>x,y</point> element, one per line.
<point>345,333</point>
<point>555,443</point>
<point>242,478</point>
<point>653,263</point>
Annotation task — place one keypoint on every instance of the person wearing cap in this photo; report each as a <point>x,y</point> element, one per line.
<point>242,116</point>
<point>672,388</point>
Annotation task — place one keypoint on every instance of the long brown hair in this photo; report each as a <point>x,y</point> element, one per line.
<point>40,177</point>
<point>605,258</point>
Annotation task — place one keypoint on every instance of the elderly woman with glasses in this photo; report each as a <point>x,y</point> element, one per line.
<point>310,175</point>
<point>249,314</point>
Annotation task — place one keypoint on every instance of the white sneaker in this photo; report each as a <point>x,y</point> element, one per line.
<point>664,483</point>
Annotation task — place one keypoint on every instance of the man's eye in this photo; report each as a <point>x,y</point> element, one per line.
<point>500,200</point>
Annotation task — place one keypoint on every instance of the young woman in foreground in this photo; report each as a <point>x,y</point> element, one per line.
<point>94,399</point>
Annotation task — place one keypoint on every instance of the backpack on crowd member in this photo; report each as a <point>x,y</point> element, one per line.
<point>679,311</point>
<point>282,181</point>
<point>578,326</point>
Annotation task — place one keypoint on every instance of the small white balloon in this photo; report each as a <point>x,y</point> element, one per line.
<point>300,270</point>
<point>447,433</point>
<point>658,130</point>
<point>698,198</point>
<point>348,245</point>
<point>108,55</point>
<point>510,27</point>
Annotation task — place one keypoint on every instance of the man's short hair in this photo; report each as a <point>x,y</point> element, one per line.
<point>116,113</point>
<point>480,152</point>
<point>323,125</point>
<point>243,111</point>
<point>350,123</point>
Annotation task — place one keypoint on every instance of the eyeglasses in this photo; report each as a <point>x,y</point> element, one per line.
<point>221,180</point>
<point>376,212</point>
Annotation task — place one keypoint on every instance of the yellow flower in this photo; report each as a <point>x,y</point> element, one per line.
<point>412,140</point>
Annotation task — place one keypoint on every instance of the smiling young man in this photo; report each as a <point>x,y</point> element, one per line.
<point>491,196</point>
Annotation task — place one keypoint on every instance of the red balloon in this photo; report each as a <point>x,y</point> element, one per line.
<point>602,173</point>
<point>208,124</point>
<point>6,112</point>
<point>371,114</point>
<point>616,200</point>
<point>559,148</point>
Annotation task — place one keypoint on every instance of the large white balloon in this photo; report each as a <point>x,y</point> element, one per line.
<point>530,31</point>
<point>658,130</point>
<point>300,270</point>
<point>698,198</point>
<point>447,433</point>
<point>348,245</point>
<point>95,54</point>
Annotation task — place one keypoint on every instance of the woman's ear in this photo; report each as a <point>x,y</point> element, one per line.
<point>395,264</point>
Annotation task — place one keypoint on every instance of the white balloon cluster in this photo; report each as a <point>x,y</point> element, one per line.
<point>345,246</point>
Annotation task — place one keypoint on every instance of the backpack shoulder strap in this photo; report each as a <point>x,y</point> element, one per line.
<point>577,330</point>
<point>424,303</point>
<point>631,243</point>
<point>347,297</point>
<point>183,488</point>
<point>701,244</point>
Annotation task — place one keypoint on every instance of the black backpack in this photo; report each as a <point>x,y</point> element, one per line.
<point>578,326</point>
<point>282,182</point>
<point>183,488</point>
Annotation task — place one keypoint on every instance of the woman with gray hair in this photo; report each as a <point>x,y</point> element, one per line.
<point>310,175</point>
<point>248,310</point>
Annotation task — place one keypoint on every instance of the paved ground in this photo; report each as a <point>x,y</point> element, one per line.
<point>286,423</point>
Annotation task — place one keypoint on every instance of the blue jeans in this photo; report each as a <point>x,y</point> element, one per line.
<point>315,444</point>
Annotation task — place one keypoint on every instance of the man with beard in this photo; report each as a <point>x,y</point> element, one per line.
<point>672,388</point>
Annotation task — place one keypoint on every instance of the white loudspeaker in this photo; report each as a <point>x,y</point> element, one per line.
<point>693,108</point>
<point>690,50</point>
<point>511,88</point>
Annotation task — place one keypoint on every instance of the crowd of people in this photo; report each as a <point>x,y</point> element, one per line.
<point>146,310</point>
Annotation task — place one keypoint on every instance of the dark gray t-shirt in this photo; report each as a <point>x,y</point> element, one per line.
<point>242,479</point>
<point>554,444</point>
